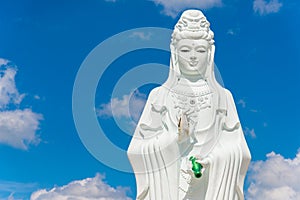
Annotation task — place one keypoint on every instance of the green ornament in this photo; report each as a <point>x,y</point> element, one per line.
<point>197,167</point>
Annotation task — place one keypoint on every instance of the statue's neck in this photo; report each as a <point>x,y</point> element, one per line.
<point>190,80</point>
<point>191,88</point>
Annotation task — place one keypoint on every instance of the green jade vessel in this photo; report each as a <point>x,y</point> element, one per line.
<point>197,167</point>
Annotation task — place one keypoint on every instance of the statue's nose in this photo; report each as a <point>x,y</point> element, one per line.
<point>193,57</point>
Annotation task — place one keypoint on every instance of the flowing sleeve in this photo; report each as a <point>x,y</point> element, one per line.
<point>153,152</point>
<point>229,160</point>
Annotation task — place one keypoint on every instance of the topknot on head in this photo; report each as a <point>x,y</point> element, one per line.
<point>194,25</point>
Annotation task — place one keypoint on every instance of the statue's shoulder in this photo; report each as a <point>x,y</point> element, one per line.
<point>232,119</point>
<point>157,91</point>
<point>229,95</point>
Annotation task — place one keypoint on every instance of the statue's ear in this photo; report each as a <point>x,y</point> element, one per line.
<point>174,54</point>
<point>210,61</point>
<point>211,54</point>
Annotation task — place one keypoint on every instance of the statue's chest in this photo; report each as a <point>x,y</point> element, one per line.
<point>198,107</point>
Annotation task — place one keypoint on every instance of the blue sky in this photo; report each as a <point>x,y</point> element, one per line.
<point>44,43</point>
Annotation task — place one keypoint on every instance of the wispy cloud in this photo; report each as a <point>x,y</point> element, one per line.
<point>250,132</point>
<point>111,1</point>
<point>15,190</point>
<point>242,102</point>
<point>129,106</point>
<point>230,32</point>
<point>174,7</point>
<point>263,7</point>
<point>141,35</point>
<point>233,31</point>
<point>125,110</point>
<point>276,178</point>
<point>18,127</point>
<point>37,97</point>
<point>87,189</point>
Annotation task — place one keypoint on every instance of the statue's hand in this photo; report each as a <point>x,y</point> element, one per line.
<point>186,126</point>
<point>183,128</point>
<point>204,164</point>
<point>205,161</point>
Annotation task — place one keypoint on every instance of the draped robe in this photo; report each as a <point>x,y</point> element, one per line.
<point>156,155</point>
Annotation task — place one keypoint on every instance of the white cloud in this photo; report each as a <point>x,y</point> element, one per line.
<point>8,91</point>
<point>141,35</point>
<point>263,7</point>
<point>111,1</point>
<point>277,178</point>
<point>250,132</point>
<point>3,61</point>
<point>173,7</point>
<point>129,106</point>
<point>17,126</point>
<point>86,189</point>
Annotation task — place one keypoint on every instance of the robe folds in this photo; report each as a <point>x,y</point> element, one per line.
<point>159,163</point>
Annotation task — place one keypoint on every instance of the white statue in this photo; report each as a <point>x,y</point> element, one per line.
<point>189,143</point>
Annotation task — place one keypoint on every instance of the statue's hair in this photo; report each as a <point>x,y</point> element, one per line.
<point>192,25</point>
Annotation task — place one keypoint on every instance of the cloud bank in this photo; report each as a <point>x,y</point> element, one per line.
<point>263,7</point>
<point>174,7</point>
<point>86,189</point>
<point>277,178</point>
<point>18,127</point>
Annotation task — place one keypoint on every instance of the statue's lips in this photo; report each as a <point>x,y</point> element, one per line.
<point>193,63</point>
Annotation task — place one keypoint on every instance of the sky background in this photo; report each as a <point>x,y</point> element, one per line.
<point>44,43</point>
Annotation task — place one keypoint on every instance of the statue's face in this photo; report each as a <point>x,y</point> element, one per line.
<point>192,56</point>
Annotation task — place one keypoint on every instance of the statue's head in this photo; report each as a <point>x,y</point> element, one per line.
<point>192,54</point>
<point>192,42</point>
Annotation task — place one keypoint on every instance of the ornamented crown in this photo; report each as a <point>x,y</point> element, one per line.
<point>194,21</point>
<point>192,24</point>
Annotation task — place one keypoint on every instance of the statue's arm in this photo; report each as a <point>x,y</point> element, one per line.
<point>232,121</point>
<point>153,153</point>
<point>136,152</point>
<point>232,118</point>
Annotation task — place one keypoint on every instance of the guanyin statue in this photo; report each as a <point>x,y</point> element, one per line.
<point>189,143</point>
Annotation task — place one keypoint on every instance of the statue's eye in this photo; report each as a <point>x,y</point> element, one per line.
<point>201,50</point>
<point>184,50</point>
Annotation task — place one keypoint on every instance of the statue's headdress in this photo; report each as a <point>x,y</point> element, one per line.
<point>192,24</point>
